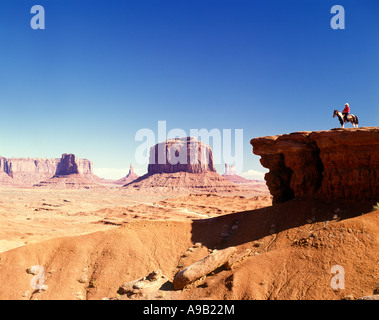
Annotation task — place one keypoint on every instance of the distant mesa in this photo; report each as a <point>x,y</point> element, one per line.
<point>26,172</point>
<point>131,176</point>
<point>182,164</point>
<point>181,155</point>
<point>68,176</point>
<point>29,172</point>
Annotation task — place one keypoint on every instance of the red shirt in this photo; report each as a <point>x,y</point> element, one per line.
<point>346,110</point>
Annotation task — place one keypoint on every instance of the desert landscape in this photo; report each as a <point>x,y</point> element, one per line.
<point>186,232</point>
<point>167,153</point>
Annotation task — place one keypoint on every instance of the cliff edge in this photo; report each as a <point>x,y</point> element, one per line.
<point>333,164</point>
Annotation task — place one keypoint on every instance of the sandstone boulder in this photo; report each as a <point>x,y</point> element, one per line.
<point>237,258</point>
<point>202,267</point>
<point>146,287</point>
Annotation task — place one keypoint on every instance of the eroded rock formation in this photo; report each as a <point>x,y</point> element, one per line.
<point>202,267</point>
<point>182,164</point>
<point>68,176</point>
<point>30,171</point>
<point>181,155</point>
<point>67,165</point>
<point>131,176</point>
<point>333,164</point>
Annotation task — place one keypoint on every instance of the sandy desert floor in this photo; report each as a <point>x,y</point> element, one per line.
<point>92,242</point>
<point>32,215</point>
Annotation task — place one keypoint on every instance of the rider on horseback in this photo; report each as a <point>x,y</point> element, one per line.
<point>346,111</point>
<point>345,116</point>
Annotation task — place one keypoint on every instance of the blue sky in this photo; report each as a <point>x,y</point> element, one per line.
<point>102,70</point>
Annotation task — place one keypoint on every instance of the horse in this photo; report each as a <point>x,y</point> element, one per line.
<point>350,118</point>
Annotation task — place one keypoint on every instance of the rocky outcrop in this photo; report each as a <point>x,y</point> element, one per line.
<point>4,166</point>
<point>149,287</point>
<point>333,164</point>
<point>202,267</point>
<point>5,178</point>
<point>67,165</point>
<point>181,155</point>
<point>30,171</point>
<point>68,176</point>
<point>184,164</point>
<point>131,176</point>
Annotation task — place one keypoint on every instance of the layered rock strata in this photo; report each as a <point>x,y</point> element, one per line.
<point>181,165</point>
<point>29,171</point>
<point>333,164</point>
<point>68,176</point>
<point>181,155</point>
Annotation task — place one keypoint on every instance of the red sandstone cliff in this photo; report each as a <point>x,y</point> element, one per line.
<point>334,164</point>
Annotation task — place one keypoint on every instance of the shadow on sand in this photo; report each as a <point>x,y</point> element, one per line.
<point>247,226</point>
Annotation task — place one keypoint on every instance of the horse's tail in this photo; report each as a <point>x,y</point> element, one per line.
<point>356,120</point>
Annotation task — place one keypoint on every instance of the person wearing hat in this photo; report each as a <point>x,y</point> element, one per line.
<point>346,111</point>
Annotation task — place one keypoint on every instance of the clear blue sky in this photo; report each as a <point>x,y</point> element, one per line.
<point>101,70</point>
